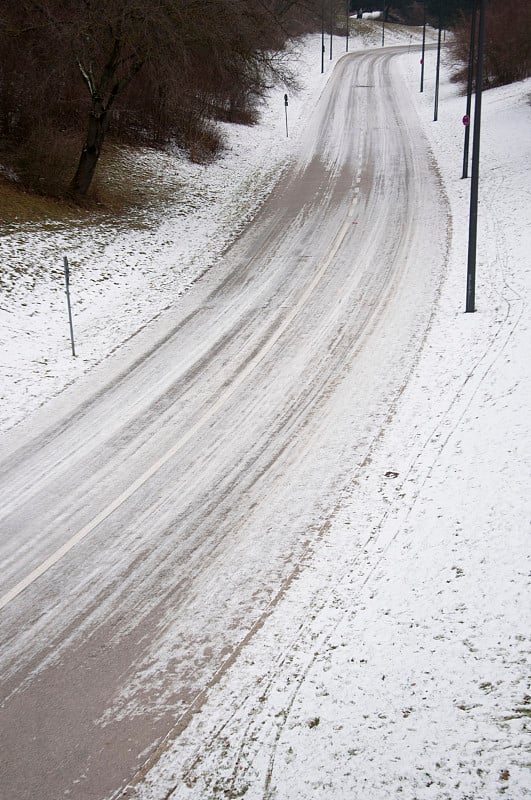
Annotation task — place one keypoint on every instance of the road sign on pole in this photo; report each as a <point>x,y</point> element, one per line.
<point>470,84</point>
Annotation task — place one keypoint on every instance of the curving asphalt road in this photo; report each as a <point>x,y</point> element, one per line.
<point>147,527</point>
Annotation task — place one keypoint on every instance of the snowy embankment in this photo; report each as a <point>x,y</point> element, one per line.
<point>396,663</point>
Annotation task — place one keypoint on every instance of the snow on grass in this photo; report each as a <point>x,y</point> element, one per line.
<point>396,664</point>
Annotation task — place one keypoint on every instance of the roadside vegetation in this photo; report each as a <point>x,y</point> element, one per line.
<point>75,73</point>
<point>508,33</point>
<point>85,82</point>
<point>507,43</point>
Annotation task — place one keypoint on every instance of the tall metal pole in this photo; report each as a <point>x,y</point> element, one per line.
<point>423,50</point>
<point>383,22</point>
<point>348,21</point>
<point>438,70</point>
<point>322,36</point>
<point>331,26</point>
<point>474,190</point>
<point>471,58</point>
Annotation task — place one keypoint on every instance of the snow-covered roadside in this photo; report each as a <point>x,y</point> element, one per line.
<point>125,273</point>
<point>396,663</point>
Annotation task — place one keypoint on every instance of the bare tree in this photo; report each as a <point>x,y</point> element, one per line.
<point>151,68</point>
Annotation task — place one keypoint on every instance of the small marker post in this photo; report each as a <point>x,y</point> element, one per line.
<point>67,285</point>
<point>286,110</point>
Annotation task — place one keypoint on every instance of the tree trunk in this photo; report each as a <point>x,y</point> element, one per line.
<point>97,127</point>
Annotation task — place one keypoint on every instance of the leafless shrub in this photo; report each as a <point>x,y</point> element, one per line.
<point>412,13</point>
<point>507,56</point>
<point>206,144</point>
<point>150,71</point>
<point>44,159</point>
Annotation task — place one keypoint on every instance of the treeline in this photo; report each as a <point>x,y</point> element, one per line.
<point>144,71</point>
<point>411,12</point>
<point>507,52</point>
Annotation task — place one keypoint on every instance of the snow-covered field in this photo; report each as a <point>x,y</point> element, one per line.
<point>396,664</point>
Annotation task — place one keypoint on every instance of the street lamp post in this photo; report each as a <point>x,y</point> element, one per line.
<point>423,50</point>
<point>331,26</point>
<point>471,58</point>
<point>474,189</point>
<point>438,69</point>
<point>322,36</point>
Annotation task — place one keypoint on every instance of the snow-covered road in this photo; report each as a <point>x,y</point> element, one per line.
<point>154,526</point>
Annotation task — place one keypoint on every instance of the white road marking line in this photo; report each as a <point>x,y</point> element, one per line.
<point>127,493</point>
